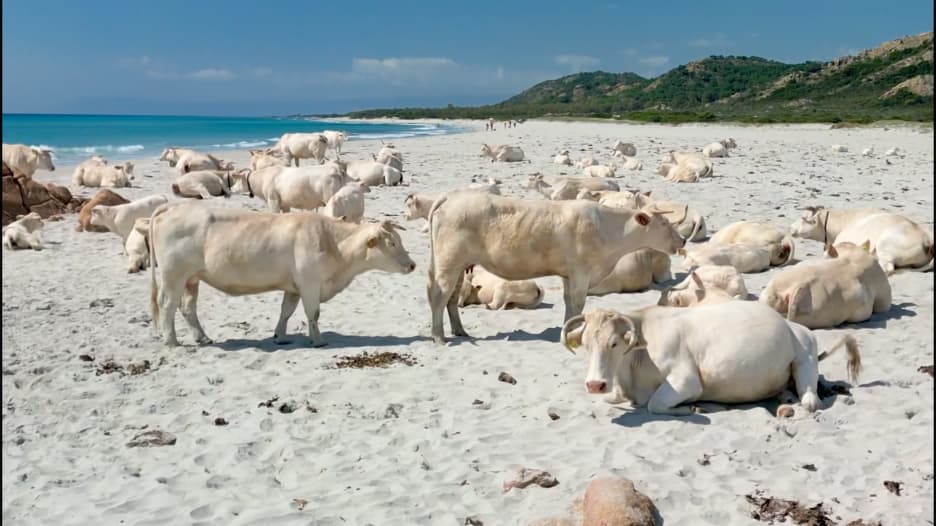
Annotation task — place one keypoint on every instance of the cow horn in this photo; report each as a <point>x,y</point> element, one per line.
<point>632,339</point>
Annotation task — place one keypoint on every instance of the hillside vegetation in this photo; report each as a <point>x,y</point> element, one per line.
<point>891,81</point>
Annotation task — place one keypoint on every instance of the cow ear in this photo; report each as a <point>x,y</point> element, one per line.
<point>372,242</point>
<point>698,281</point>
<point>831,252</point>
<point>866,245</point>
<point>642,219</point>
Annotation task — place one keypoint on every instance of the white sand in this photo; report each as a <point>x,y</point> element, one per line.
<point>65,428</point>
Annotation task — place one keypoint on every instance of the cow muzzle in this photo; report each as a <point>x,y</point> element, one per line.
<point>596,386</point>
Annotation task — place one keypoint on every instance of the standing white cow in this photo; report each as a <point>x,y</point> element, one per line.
<point>295,146</point>
<point>306,187</point>
<point>25,160</point>
<point>579,241</point>
<point>335,139</point>
<point>726,352</point>
<point>308,256</point>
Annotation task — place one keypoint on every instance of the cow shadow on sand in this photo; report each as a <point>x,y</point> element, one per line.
<point>879,320</point>
<point>332,341</point>
<point>828,391</point>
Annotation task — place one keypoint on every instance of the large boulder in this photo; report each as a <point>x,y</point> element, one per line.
<point>22,196</point>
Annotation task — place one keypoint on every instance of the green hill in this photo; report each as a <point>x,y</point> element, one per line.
<point>891,81</point>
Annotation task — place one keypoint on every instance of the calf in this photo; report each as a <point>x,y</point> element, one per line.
<point>308,256</point>
<point>104,197</point>
<point>634,272</point>
<point>347,203</point>
<point>23,233</point>
<point>137,247</point>
<point>760,234</point>
<point>480,287</point>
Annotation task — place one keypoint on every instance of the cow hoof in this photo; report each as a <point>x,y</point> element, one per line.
<point>172,343</point>
<point>204,340</point>
<point>461,333</point>
<point>439,340</point>
<point>614,398</point>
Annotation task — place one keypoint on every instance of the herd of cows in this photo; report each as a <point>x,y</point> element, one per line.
<point>708,338</point>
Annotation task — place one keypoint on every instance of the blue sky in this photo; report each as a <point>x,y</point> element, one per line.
<point>253,58</point>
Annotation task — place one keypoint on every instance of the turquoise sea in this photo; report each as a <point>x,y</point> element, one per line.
<point>75,137</point>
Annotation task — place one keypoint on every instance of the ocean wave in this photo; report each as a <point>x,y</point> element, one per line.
<point>241,144</point>
<point>72,151</point>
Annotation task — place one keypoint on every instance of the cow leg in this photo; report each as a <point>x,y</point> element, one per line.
<point>170,295</point>
<point>679,386</point>
<point>452,307</point>
<point>805,368</point>
<point>441,291</point>
<point>190,313</point>
<point>574,293</point>
<point>310,302</point>
<point>290,302</point>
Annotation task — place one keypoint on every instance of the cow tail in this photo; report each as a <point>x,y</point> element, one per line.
<point>154,286</point>
<point>854,357</point>
<point>432,210</point>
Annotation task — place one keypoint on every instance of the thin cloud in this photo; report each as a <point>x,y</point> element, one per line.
<point>134,61</point>
<point>718,40</point>
<point>212,74</point>
<point>656,61</point>
<point>576,63</point>
<point>260,73</point>
<point>399,65</point>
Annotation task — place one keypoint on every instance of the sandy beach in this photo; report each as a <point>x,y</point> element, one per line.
<point>433,442</point>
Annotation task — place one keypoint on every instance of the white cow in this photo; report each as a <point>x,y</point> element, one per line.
<point>867,152</point>
<point>677,173</point>
<point>195,161</point>
<point>502,153</point>
<point>25,160</point>
<point>260,159</point>
<point>599,170</point>
<point>728,143</point>
<point>563,158</point>
<point>695,291</point>
<point>335,140</point>
<point>745,258</point>
<point>480,287</point>
<point>564,188</point>
<point>203,184</point>
<point>695,162</point>
<point>119,219</point>
<point>585,162</point>
<point>104,175</point>
<point>634,272</point>
<point>524,239</point>
<point>726,352</point>
<point>23,233</point>
<point>840,148</point>
<point>489,185</point>
<point>892,152</point>
<point>630,163</point>
<point>625,148</point>
<point>95,160</point>
<point>137,247</point>
<point>418,205</point>
<point>308,256</point>
<point>715,149</point>
<point>760,234</point>
<point>848,287</point>
<point>307,187</point>
<point>347,203</point>
<point>390,156</point>
<point>372,173</point>
<point>297,146</point>
<point>614,198</point>
<point>172,155</point>
<point>897,241</point>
